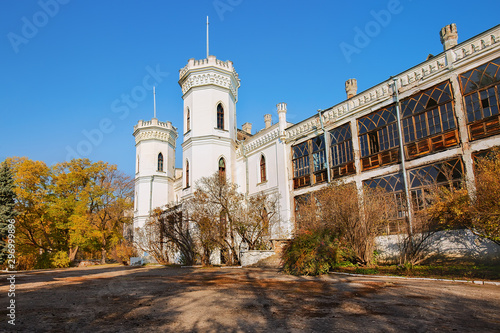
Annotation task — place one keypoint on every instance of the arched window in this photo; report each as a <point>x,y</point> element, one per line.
<point>220,117</point>
<point>222,169</point>
<point>188,120</point>
<point>160,162</point>
<point>187,173</point>
<point>137,164</point>
<point>263,177</point>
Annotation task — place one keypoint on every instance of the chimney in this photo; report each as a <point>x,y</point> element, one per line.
<point>351,88</point>
<point>449,36</point>
<point>247,127</point>
<point>282,119</point>
<point>268,119</point>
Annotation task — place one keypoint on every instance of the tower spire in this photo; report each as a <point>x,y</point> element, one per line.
<point>207,37</point>
<point>154,100</point>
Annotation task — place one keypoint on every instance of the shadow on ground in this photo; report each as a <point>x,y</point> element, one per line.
<point>164,299</point>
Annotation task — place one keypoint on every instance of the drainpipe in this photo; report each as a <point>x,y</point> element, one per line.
<point>326,146</point>
<point>402,154</point>
<point>151,195</point>
<point>246,168</point>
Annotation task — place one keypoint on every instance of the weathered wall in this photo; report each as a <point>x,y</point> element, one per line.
<point>253,256</point>
<point>454,244</point>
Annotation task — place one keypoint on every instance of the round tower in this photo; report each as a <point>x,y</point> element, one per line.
<point>154,167</point>
<point>210,93</point>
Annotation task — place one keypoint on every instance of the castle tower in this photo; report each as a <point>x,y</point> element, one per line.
<point>210,93</point>
<point>154,167</point>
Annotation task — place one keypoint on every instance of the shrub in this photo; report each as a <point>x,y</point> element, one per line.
<point>312,252</point>
<point>123,251</point>
<point>58,259</point>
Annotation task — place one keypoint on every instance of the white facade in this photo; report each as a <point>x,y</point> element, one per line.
<point>209,83</point>
<point>154,167</point>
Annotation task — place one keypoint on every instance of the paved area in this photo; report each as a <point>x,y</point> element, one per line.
<point>160,299</point>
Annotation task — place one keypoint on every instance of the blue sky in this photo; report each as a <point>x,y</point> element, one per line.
<point>68,65</point>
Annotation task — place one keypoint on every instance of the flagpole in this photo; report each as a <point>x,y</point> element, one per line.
<point>154,100</point>
<point>207,37</point>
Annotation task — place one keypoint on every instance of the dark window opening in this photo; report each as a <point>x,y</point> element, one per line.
<point>160,162</point>
<point>220,117</point>
<point>263,177</point>
<point>222,169</point>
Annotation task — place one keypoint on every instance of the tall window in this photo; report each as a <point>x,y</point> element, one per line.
<point>301,168</point>
<point>341,150</point>
<point>428,121</point>
<point>187,173</point>
<point>220,117</point>
<point>481,90</point>
<point>160,162</point>
<point>263,177</point>
<point>309,162</point>
<point>222,169</point>
<point>188,120</point>
<point>319,158</point>
<point>378,138</point>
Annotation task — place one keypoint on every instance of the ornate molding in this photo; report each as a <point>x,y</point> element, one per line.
<point>210,78</point>
<point>152,134</point>
<point>257,142</point>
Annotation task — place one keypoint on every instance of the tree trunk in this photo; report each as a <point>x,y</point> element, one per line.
<point>72,253</point>
<point>103,256</point>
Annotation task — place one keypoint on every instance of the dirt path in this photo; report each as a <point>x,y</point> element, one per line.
<point>158,299</point>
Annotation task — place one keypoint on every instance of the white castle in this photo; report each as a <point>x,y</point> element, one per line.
<point>449,109</point>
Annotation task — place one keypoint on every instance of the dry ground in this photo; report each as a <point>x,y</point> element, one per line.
<point>164,299</point>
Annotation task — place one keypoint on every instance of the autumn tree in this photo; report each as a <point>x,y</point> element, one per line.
<point>73,204</point>
<point>35,230</point>
<point>454,207</point>
<point>151,239</point>
<point>7,212</point>
<point>258,217</point>
<point>93,198</point>
<point>355,219</point>
<point>224,218</point>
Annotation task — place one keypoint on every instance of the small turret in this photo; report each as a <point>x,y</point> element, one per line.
<point>449,36</point>
<point>351,88</point>
<point>268,119</point>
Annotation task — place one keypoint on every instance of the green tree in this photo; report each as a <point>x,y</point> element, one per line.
<point>7,205</point>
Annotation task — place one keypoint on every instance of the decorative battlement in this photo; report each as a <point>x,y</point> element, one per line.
<point>154,122</point>
<point>154,129</point>
<point>210,71</point>
<point>210,61</point>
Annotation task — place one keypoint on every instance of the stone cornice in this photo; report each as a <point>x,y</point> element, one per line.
<point>257,141</point>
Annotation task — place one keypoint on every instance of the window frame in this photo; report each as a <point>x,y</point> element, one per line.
<point>160,162</point>
<point>220,116</point>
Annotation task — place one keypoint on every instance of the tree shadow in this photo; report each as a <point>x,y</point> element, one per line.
<point>161,299</point>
